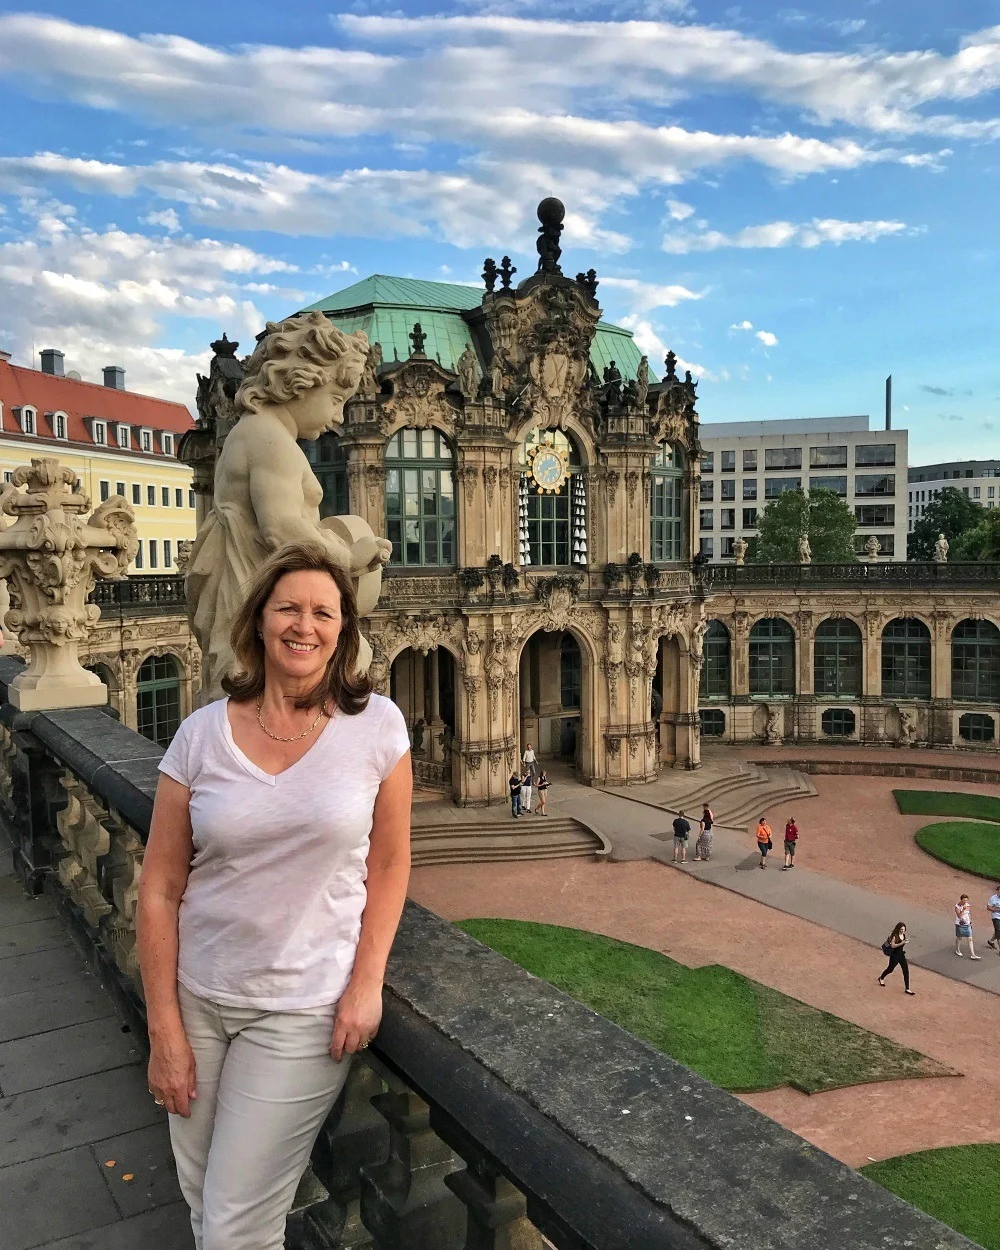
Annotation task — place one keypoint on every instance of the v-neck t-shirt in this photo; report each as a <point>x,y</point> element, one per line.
<point>271,915</point>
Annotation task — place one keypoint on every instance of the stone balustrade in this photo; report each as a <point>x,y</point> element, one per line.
<point>492,1112</point>
<point>904,575</point>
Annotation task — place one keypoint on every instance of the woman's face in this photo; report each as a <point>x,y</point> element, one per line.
<point>300,625</point>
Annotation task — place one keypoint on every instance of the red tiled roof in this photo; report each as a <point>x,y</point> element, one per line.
<point>49,393</point>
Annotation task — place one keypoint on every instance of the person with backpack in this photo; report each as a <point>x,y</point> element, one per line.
<point>764,842</point>
<point>791,837</point>
<point>894,947</point>
<point>703,847</point>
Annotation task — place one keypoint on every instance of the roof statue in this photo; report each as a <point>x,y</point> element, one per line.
<point>507,271</point>
<point>297,381</point>
<point>670,364</point>
<point>550,213</point>
<point>589,282</point>
<point>642,382</point>
<point>418,338</point>
<point>469,373</point>
<point>490,274</point>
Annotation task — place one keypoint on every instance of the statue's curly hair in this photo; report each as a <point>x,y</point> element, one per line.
<point>297,354</point>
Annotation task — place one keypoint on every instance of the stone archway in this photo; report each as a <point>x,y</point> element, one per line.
<point>556,700</point>
<point>423,686</point>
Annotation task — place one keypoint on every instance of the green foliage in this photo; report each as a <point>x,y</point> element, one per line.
<point>964,844</point>
<point>822,515</point>
<point>947,803</point>
<point>981,543</point>
<point>951,514</point>
<point>731,1030</point>
<point>956,1184</point>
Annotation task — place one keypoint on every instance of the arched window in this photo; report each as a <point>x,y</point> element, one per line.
<point>772,657</point>
<point>328,459</point>
<point>552,505</point>
<point>975,661</point>
<point>713,722</point>
<point>158,699</point>
<point>837,659</point>
<point>667,476</point>
<point>420,498</point>
<point>906,660</point>
<point>715,664</point>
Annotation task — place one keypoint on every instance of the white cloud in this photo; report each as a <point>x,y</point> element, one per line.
<point>742,325</point>
<point>645,296</point>
<point>105,295</point>
<point>650,344</point>
<point>789,234</point>
<point>168,219</point>
<point>679,211</point>
<point>767,338</point>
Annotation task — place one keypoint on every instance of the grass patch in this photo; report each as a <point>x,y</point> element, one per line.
<point>965,844</point>
<point>957,1185</point>
<point>731,1030</point>
<point>947,803</point>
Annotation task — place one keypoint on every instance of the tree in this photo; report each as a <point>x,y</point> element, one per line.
<point>821,515</point>
<point>980,543</point>
<point>951,514</point>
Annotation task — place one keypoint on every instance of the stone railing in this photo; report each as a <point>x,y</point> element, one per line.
<point>492,1112</point>
<point>139,595</point>
<point>904,575</point>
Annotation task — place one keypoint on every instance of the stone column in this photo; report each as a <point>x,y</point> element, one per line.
<point>51,557</point>
<point>872,675</point>
<point>435,725</point>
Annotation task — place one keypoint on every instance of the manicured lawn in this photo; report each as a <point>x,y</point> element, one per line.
<point>731,1030</point>
<point>966,844</point>
<point>947,803</point>
<point>958,1185</point>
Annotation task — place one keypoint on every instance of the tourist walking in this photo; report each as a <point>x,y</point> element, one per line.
<point>266,912</point>
<point>682,831</point>
<point>993,907</point>
<point>515,784</point>
<point>703,847</point>
<point>764,843</point>
<point>963,927</point>
<point>526,781</point>
<point>542,786</point>
<point>791,837</point>
<point>529,761</point>
<point>895,947</point>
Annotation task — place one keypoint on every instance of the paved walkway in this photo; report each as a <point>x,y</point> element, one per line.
<point>72,1099</point>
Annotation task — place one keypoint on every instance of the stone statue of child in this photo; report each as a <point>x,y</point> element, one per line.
<point>941,550</point>
<point>266,494</point>
<point>804,550</point>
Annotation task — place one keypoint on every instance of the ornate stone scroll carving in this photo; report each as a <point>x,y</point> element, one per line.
<point>51,557</point>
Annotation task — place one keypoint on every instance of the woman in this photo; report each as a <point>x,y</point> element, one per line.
<point>764,842</point>
<point>542,786</point>
<point>703,847</point>
<point>895,947</point>
<point>791,838</point>
<point>272,887</point>
<point>963,927</point>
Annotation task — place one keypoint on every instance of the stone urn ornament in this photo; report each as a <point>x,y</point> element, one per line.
<point>740,551</point>
<point>51,556</point>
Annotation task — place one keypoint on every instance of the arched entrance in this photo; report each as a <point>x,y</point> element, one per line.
<point>423,687</point>
<point>555,700</point>
<point>104,672</point>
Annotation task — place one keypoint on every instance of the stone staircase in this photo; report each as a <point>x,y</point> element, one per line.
<point>490,840</point>
<point>737,796</point>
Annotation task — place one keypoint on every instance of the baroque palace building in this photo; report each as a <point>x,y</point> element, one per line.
<point>540,487</point>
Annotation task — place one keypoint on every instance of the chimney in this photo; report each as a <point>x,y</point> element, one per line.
<point>114,376</point>
<point>52,362</point>
<point>888,402</point>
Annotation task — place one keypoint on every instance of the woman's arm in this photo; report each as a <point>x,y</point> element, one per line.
<point>360,1009</point>
<point>165,869</point>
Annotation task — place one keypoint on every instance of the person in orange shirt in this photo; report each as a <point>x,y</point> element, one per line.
<point>763,840</point>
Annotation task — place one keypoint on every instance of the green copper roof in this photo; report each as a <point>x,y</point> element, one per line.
<point>386,308</point>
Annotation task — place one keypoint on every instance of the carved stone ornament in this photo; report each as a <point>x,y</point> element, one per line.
<point>490,475</point>
<point>417,398</point>
<point>469,473</point>
<point>375,481</point>
<point>469,373</point>
<point>369,385</point>
<point>559,595</point>
<point>51,557</point>
<point>183,556</point>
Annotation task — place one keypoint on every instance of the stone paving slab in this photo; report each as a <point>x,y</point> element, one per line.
<point>42,934</point>
<point>167,1228</point>
<point>23,972</point>
<point>145,1155</point>
<point>53,1197</point>
<point>34,1062</point>
<point>53,1007</point>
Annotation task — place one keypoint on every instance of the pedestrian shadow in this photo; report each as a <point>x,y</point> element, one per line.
<point>751,861</point>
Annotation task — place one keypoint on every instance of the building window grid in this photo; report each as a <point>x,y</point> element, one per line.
<point>715,666</point>
<point>136,493</point>
<point>750,488</point>
<point>772,657</point>
<point>838,484</point>
<point>906,660</point>
<point>420,498</point>
<point>100,433</point>
<point>707,491</point>
<point>875,484</point>
<point>158,699</point>
<point>975,661</point>
<point>782,458</point>
<point>727,488</point>
<point>775,487</point>
<point>976,727</point>
<point>838,722</point>
<point>713,722</point>
<point>749,461</point>
<point>875,454</point>
<point>666,535</point>
<point>837,651</point>
<point>178,497</point>
<point>706,518</point>
<point>60,428</point>
<point>151,496</point>
<point>105,491</point>
<point>153,554</point>
<point>828,457</point>
<point>168,553</point>
<point>165,496</point>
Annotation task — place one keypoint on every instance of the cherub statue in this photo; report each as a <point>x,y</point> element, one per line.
<point>295,386</point>
<point>469,373</point>
<point>804,550</point>
<point>872,548</point>
<point>772,728</point>
<point>941,550</point>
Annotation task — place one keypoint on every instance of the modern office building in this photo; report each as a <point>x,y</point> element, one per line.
<point>979,479</point>
<point>116,441</point>
<point>746,464</point>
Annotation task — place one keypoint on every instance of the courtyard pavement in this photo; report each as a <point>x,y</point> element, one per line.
<point>73,1099</point>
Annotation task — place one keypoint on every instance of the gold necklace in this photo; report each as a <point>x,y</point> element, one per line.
<point>295,737</point>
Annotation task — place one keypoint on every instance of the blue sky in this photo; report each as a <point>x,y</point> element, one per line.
<point>797,203</point>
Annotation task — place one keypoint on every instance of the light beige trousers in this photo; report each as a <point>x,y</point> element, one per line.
<point>266,1082</point>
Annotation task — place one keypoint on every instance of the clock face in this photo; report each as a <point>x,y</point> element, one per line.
<point>548,468</point>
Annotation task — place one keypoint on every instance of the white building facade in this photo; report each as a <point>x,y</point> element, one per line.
<point>979,479</point>
<point>747,464</point>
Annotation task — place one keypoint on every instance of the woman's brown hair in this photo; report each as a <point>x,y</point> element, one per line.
<point>342,685</point>
<point>894,935</point>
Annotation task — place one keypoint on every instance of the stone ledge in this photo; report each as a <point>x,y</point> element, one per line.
<point>888,768</point>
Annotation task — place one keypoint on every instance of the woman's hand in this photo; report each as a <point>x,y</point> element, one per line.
<point>171,1073</point>
<point>359,1014</point>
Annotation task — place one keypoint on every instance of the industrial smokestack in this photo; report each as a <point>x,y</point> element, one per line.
<point>888,402</point>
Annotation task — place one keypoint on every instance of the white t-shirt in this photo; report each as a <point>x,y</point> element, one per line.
<point>271,915</point>
<point>993,903</point>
